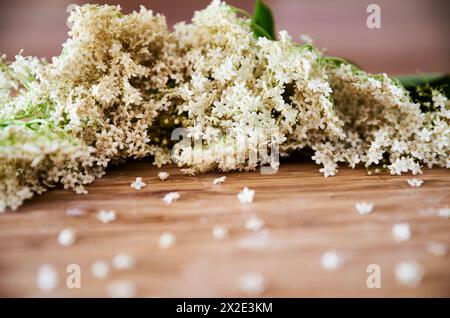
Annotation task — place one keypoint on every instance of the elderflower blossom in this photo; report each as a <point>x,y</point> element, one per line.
<point>106,216</point>
<point>171,197</point>
<point>246,196</point>
<point>436,249</point>
<point>409,273</point>
<point>364,207</point>
<point>67,237</point>
<point>138,184</point>
<point>47,278</point>
<point>123,83</point>
<point>162,175</point>
<point>92,105</point>
<point>252,283</point>
<point>121,289</point>
<point>444,212</point>
<point>123,261</point>
<point>401,232</point>
<point>219,232</point>
<point>100,269</point>
<point>167,240</point>
<point>415,183</point>
<point>254,224</point>
<point>219,180</point>
<point>331,260</point>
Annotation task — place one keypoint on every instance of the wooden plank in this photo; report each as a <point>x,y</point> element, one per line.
<point>305,215</point>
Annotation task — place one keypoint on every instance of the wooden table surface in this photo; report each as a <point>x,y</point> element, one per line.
<point>304,213</point>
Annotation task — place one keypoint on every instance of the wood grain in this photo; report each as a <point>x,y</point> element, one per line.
<point>305,215</point>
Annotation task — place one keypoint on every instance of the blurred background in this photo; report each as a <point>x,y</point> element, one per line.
<point>414,34</point>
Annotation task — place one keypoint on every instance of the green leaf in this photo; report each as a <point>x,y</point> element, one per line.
<point>422,79</point>
<point>426,81</point>
<point>263,24</point>
<point>339,60</point>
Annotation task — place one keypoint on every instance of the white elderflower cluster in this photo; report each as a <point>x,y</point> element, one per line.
<point>383,126</point>
<point>65,121</point>
<point>124,83</point>
<point>245,94</point>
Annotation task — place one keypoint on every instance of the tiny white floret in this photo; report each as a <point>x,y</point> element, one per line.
<point>138,184</point>
<point>436,249</point>
<point>246,196</point>
<point>67,237</point>
<point>219,232</point>
<point>106,216</point>
<point>170,197</point>
<point>401,232</point>
<point>444,212</point>
<point>163,175</point>
<point>409,274</point>
<point>167,240</point>
<point>123,261</point>
<point>121,289</point>
<point>415,183</point>
<point>252,283</point>
<point>364,207</point>
<point>100,269</point>
<point>330,261</point>
<point>254,224</point>
<point>47,278</point>
<point>219,180</point>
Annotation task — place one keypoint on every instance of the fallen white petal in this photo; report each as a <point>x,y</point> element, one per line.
<point>123,261</point>
<point>246,196</point>
<point>401,232</point>
<point>162,175</point>
<point>47,278</point>
<point>138,184</point>
<point>121,289</point>
<point>167,240</point>
<point>106,216</point>
<point>364,207</point>
<point>436,249</point>
<point>219,180</point>
<point>100,269</point>
<point>409,274</point>
<point>219,232</point>
<point>252,283</point>
<point>171,197</point>
<point>330,261</point>
<point>415,183</point>
<point>254,224</point>
<point>444,212</point>
<point>67,237</point>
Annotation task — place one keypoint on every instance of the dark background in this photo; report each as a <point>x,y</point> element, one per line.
<point>414,34</point>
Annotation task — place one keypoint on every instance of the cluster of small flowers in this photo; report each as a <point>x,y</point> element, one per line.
<point>91,106</point>
<point>124,82</point>
<point>246,93</point>
<point>35,156</point>
<point>383,126</point>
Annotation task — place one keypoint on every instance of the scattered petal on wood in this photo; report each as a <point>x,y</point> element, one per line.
<point>252,283</point>
<point>47,278</point>
<point>409,274</point>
